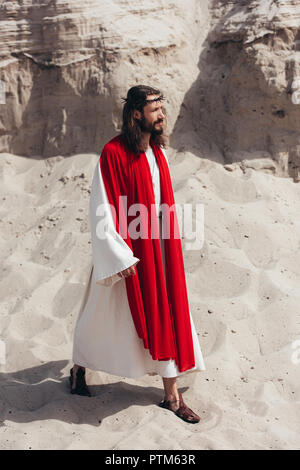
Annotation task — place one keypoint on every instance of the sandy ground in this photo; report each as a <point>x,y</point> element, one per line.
<point>244,292</point>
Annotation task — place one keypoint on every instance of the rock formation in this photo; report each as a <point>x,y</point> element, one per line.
<point>246,99</point>
<point>65,67</point>
<point>230,71</point>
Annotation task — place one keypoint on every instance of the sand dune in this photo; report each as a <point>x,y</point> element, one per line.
<point>243,290</point>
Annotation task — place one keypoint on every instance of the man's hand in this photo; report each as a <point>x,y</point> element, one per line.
<point>127,272</point>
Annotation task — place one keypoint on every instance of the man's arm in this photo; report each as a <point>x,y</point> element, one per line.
<point>111,254</point>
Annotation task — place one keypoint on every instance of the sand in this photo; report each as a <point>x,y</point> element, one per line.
<point>244,293</point>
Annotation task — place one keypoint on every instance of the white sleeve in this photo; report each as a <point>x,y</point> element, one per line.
<point>110,252</point>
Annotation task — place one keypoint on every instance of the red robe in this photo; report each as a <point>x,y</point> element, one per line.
<point>159,309</point>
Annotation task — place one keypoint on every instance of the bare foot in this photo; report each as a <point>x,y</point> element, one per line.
<point>75,369</point>
<point>174,403</point>
<point>181,409</point>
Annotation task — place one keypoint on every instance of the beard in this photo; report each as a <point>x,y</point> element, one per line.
<point>145,126</point>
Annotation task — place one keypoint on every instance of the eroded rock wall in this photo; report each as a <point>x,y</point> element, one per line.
<point>246,99</point>
<point>230,71</point>
<point>66,67</point>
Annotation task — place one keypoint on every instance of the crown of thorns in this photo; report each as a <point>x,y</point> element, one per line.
<point>143,101</point>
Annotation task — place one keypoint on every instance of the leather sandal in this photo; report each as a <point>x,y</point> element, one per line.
<point>81,387</point>
<point>183,412</point>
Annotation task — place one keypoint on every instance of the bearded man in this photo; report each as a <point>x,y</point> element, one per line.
<point>134,318</point>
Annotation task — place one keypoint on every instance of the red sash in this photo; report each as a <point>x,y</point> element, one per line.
<point>159,309</point>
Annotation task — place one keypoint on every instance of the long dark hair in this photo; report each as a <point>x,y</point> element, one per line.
<point>131,131</point>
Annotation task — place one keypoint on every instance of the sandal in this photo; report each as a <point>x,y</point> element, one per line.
<point>183,411</point>
<point>81,387</point>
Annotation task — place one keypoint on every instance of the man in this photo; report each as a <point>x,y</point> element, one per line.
<point>135,318</point>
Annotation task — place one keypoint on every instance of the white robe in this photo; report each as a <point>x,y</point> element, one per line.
<point>105,338</point>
